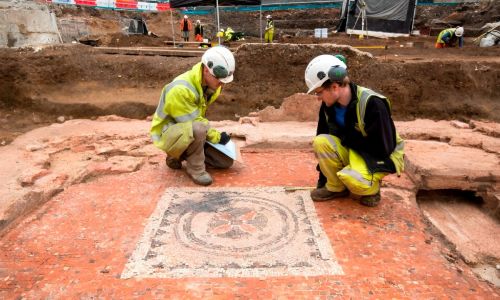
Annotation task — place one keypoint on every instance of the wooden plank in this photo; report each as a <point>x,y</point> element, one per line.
<point>150,51</point>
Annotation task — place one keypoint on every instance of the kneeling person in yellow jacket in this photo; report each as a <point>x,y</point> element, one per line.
<point>356,143</point>
<point>179,126</point>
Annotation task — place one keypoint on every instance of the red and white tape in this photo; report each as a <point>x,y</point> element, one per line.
<point>116,4</point>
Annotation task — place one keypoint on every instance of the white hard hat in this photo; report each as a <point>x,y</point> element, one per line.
<point>459,31</point>
<point>268,17</point>
<point>220,62</point>
<point>185,16</point>
<point>317,71</point>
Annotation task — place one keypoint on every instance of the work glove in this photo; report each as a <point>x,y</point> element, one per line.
<point>224,138</point>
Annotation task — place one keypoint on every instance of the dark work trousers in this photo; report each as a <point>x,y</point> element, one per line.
<point>199,155</point>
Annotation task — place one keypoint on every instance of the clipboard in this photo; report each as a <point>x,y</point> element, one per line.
<point>228,149</point>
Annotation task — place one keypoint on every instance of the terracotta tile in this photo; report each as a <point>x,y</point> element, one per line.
<point>77,244</point>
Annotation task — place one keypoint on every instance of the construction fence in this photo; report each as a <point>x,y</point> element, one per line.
<point>267,5</point>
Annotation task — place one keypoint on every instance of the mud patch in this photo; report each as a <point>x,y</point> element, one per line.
<point>232,232</point>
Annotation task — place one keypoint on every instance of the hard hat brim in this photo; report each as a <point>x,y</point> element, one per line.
<point>317,85</point>
<point>228,79</point>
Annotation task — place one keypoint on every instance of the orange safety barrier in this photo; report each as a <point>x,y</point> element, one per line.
<point>121,4</point>
<point>162,6</point>
<point>130,4</point>
<point>85,2</point>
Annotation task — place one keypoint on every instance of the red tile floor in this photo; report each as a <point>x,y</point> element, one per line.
<point>76,245</point>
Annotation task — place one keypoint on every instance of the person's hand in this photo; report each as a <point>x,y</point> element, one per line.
<point>224,138</point>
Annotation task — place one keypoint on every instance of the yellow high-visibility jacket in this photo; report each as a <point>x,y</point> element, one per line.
<point>449,31</point>
<point>269,26</point>
<point>182,102</point>
<point>363,95</point>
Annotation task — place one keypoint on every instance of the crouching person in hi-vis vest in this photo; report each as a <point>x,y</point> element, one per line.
<point>179,126</point>
<point>356,143</point>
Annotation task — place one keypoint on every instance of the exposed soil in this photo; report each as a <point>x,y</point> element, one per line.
<point>75,81</point>
<point>52,84</point>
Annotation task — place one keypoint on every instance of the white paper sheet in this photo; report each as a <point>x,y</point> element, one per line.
<point>228,149</point>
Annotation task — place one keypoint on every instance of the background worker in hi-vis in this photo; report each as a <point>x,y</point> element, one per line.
<point>449,38</point>
<point>179,126</point>
<point>269,30</point>
<point>356,143</point>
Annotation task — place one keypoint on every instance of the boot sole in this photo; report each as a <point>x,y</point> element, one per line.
<point>203,183</point>
<point>370,204</point>
<point>344,194</point>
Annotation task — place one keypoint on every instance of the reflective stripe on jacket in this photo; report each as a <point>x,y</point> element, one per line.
<point>363,95</point>
<point>182,101</point>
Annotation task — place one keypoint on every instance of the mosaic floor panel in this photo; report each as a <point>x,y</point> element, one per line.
<point>232,232</point>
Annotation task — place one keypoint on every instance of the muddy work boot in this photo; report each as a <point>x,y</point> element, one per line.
<point>202,179</point>
<point>322,194</point>
<point>173,163</point>
<point>370,200</point>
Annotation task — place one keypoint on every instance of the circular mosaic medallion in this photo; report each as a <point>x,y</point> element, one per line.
<point>244,225</point>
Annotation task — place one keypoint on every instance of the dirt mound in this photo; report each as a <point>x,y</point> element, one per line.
<point>76,81</point>
<point>77,75</point>
<point>421,89</point>
<point>298,107</point>
<point>123,40</point>
<point>269,73</point>
<point>473,16</point>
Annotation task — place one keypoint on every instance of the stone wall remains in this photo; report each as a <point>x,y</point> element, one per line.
<point>26,23</point>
